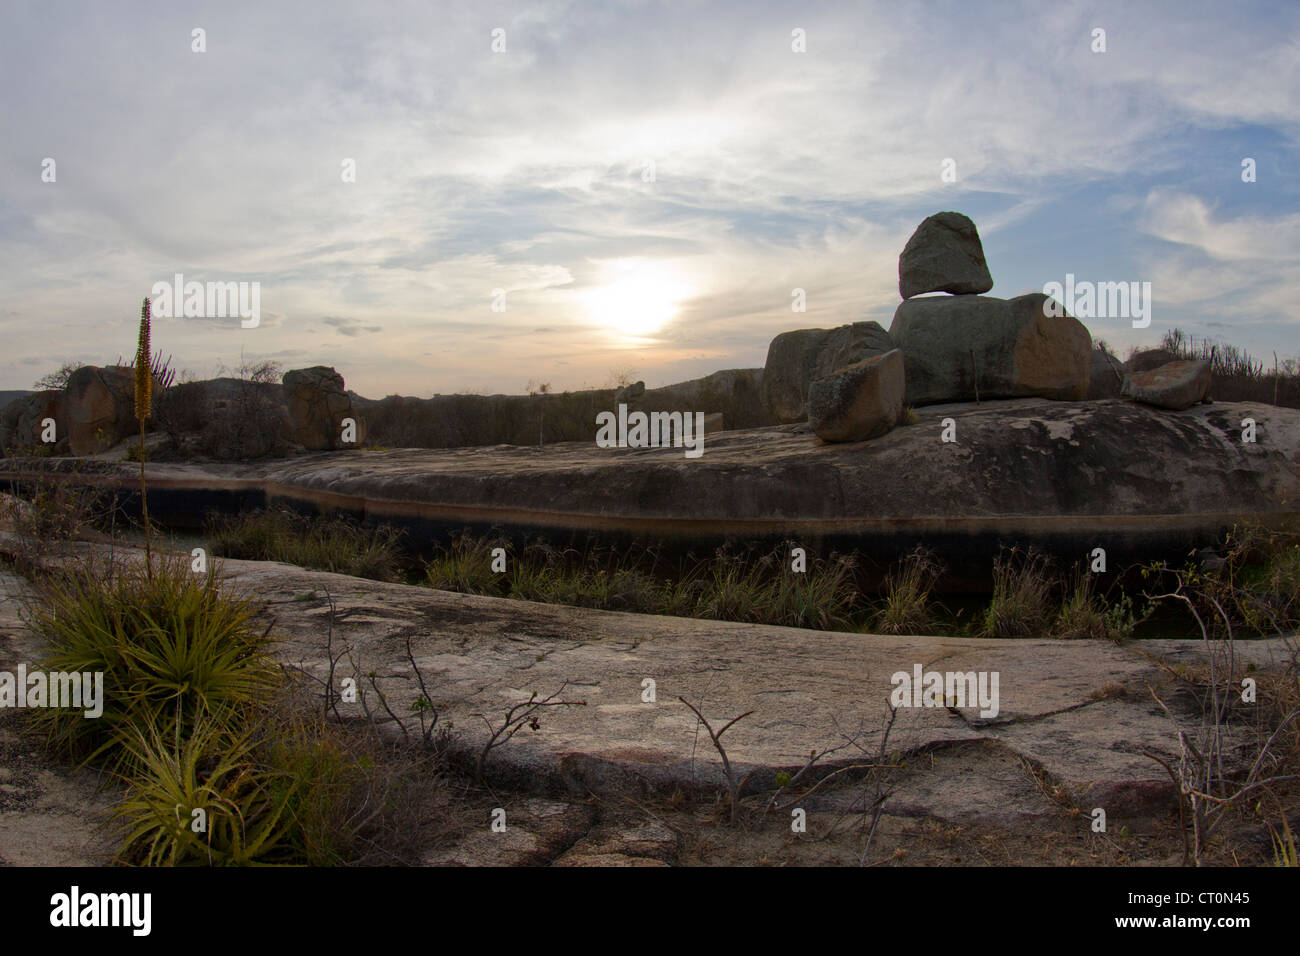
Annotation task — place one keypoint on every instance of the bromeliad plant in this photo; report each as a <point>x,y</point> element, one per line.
<point>204,801</point>
<point>175,653</point>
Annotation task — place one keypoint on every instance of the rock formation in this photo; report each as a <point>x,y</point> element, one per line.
<point>796,359</point>
<point>1174,385</point>
<point>100,407</point>
<point>859,401</point>
<point>21,422</point>
<point>944,255</point>
<point>318,405</point>
<point>1106,376</point>
<point>965,348</point>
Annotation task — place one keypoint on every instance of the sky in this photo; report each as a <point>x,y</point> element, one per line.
<point>472,197</point>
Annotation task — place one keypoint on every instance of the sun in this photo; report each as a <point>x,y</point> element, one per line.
<point>636,297</point>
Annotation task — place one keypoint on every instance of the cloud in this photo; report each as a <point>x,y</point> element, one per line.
<point>524,170</point>
<point>1245,264</point>
<point>349,327</point>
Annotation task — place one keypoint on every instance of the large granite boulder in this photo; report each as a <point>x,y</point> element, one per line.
<point>944,255</point>
<point>860,401</point>
<point>967,347</point>
<point>317,406</point>
<point>1106,377</point>
<point>100,408</point>
<point>1175,385</point>
<point>21,423</point>
<point>796,359</point>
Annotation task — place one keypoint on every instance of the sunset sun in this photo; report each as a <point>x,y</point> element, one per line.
<point>636,297</point>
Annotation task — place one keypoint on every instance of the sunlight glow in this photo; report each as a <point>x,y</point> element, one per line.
<point>638,297</point>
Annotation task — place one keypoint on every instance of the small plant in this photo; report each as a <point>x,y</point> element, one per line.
<point>907,607</point>
<point>1022,594</point>
<point>327,544</point>
<point>202,801</point>
<point>466,566</point>
<point>174,651</point>
<point>821,597</point>
<point>1284,849</point>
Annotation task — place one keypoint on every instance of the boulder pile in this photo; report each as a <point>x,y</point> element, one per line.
<point>961,346</point>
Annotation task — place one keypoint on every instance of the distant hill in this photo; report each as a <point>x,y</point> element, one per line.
<point>9,396</point>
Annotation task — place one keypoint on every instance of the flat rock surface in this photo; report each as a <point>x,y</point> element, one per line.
<point>1073,721</point>
<point>1019,467</point>
<point>50,815</point>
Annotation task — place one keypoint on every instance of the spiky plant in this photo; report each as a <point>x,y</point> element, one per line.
<point>143,405</point>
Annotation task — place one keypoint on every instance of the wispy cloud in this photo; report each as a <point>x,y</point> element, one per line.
<point>689,137</point>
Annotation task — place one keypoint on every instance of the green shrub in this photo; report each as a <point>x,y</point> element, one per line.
<point>203,801</point>
<point>174,650</point>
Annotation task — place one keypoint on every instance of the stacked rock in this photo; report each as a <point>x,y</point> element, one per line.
<point>854,382</point>
<point>967,346</point>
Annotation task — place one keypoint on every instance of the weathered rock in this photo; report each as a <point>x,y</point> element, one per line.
<point>860,401</point>
<point>100,408</point>
<point>537,830</point>
<point>802,687</point>
<point>317,406</point>
<point>1149,359</point>
<point>1106,377</point>
<point>1065,476</point>
<point>944,255</point>
<point>1176,385</point>
<point>796,359</point>
<point>21,423</point>
<point>971,347</point>
<point>248,427</point>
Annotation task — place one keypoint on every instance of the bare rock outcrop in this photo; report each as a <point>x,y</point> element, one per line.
<point>796,359</point>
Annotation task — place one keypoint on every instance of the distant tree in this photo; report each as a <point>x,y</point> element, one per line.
<point>57,379</point>
<point>621,378</point>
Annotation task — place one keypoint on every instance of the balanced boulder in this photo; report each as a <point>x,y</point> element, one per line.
<point>970,347</point>
<point>860,401</point>
<point>944,255</point>
<point>1175,385</point>
<point>100,408</point>
<point>317,407</point>
<point>796,359</point>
